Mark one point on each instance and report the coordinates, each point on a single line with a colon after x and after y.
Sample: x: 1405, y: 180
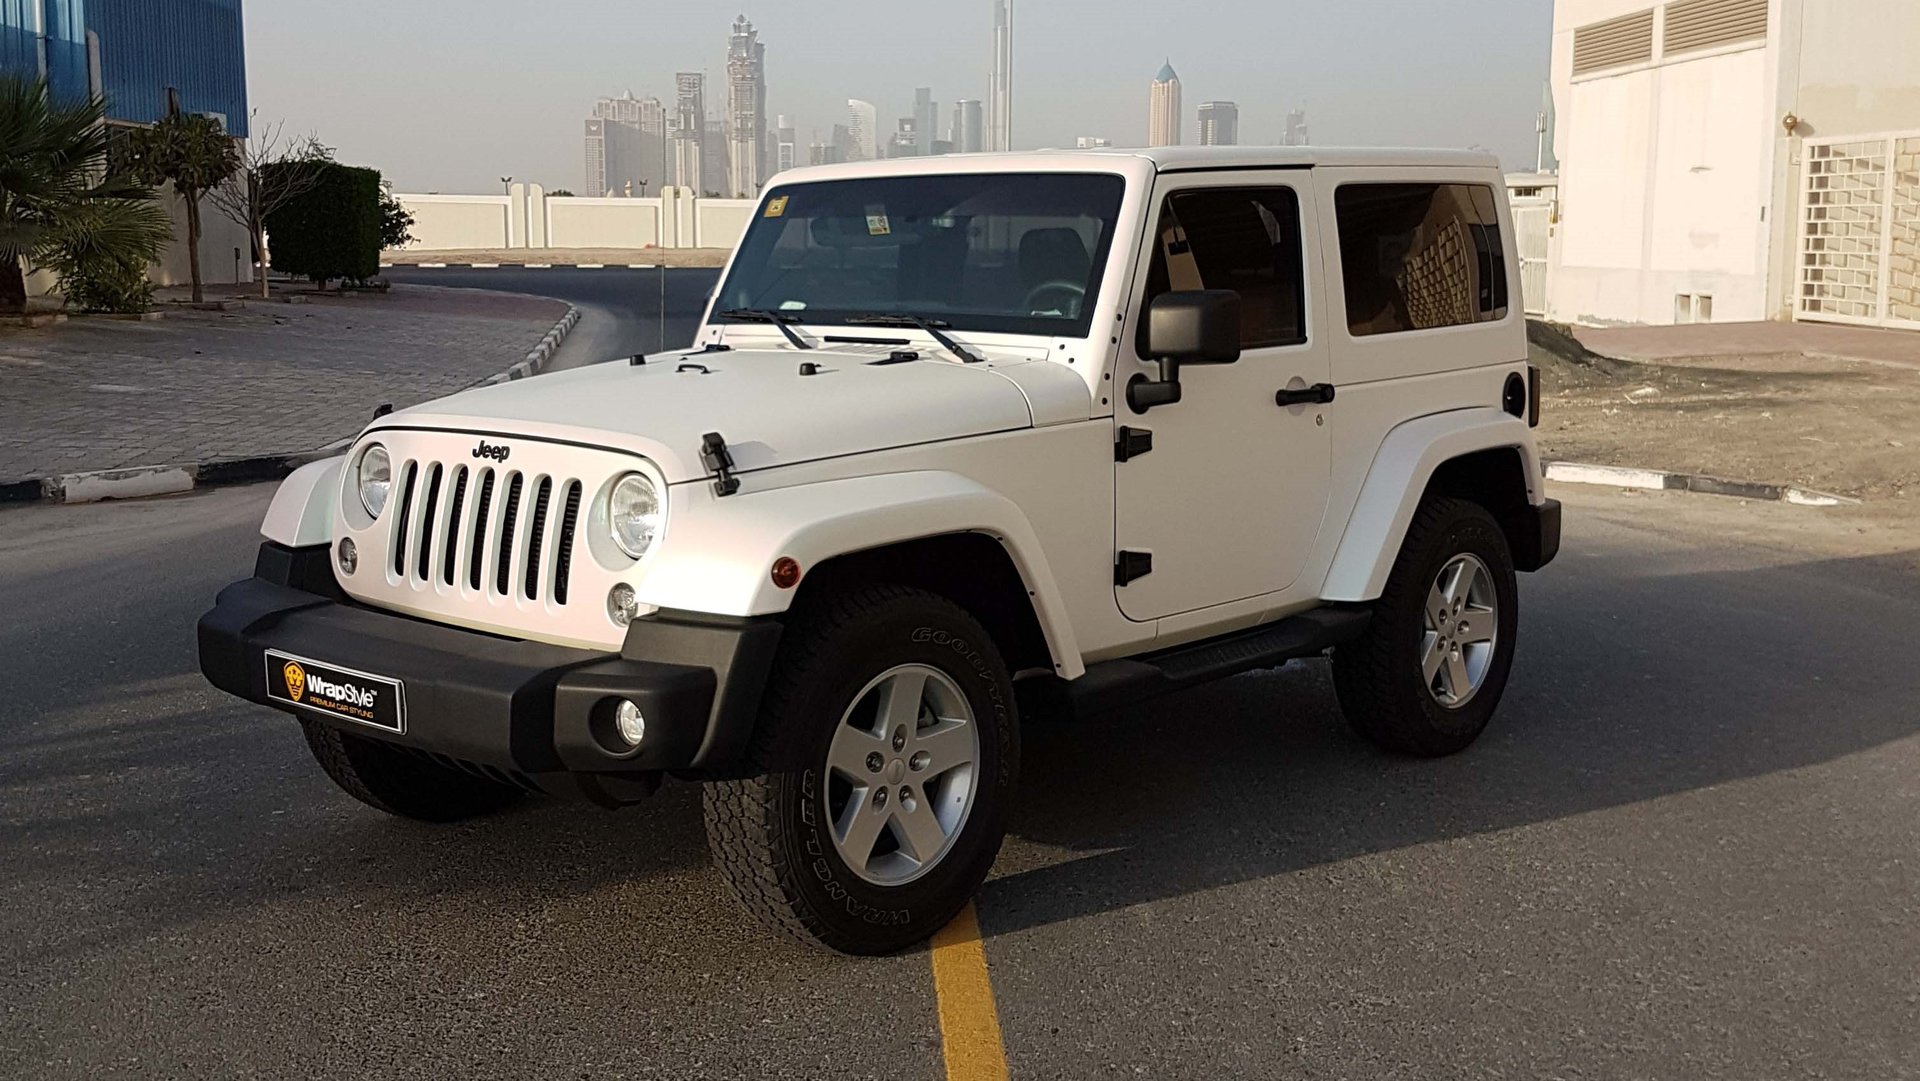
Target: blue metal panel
x: 193, y: 46
x: 61, y: 42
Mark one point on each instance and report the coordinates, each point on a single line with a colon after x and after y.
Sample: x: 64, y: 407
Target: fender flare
x: 1398, y: 478
x: 301, y: 513
x: 717, y: 553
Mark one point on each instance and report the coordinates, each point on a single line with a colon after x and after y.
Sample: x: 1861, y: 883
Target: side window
x: 1244, y: 239
x: 1419, y: 256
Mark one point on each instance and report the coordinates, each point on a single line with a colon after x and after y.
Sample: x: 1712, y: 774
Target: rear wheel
x: 1427, y: 675
x: 884, y: 767
x: 389, y: 779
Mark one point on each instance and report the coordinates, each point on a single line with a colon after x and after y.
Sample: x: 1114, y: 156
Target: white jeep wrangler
x: 960, y: 438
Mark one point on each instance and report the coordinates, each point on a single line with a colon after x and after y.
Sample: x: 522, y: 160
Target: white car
x: 959, y: 439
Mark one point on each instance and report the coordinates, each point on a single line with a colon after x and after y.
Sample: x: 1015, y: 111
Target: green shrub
x: 104, y: 284
x: 332, y: 229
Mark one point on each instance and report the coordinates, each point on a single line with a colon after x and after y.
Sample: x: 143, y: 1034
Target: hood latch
x: 719, y: 460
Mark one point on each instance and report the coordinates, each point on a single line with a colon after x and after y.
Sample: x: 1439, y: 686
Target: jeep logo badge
x: 497, y: 451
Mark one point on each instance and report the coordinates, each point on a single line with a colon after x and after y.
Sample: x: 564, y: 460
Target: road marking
x: 969, y: 1023
x: 539, y: 266
x: 484, y: 266
x: 641, y: 266
x: 589, y: 266
x: 437, y: 266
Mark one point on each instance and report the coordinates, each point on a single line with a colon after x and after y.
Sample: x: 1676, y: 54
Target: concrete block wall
x: 527, y: 217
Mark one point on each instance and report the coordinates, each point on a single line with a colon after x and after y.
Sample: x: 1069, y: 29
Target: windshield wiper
x: 761, y: 315
x: 931, y: 326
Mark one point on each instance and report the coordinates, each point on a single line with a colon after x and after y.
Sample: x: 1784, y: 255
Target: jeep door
x: 1228, y: 502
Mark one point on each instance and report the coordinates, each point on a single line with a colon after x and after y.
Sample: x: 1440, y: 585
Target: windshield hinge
x: 719, y: 460
x: 1128, y: 566
x: 1132, y: 443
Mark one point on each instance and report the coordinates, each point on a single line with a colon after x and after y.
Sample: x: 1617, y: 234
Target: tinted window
x: 1020, y: 253
x: 1244, y: 239
x: 1418, y: 256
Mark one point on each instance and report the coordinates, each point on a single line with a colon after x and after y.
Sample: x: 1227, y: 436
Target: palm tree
x: 55, y: 194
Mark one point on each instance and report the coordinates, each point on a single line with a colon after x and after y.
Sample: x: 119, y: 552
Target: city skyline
x: 512, y: 103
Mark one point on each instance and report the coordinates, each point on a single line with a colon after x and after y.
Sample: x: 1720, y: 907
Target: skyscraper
x: 1297, y: 128
x: 625, y: 146
x: 1163, y: 108
x: 785, y: 148
x: 863, y: 131
x: 689, y: 128
x: 1000, y: 93
x: 746, y: 124
x: 716, y: 174
x: 596, y: 141
x: 925, y: 114
x: 1219, y: 124
x: 969, y: 127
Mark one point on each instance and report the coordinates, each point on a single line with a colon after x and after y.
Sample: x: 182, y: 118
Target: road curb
x: 1614, y: 476
x: 138, y: 482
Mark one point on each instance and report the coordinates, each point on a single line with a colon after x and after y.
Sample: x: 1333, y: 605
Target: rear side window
x: 1419, y: 256
x: 1244, y: 239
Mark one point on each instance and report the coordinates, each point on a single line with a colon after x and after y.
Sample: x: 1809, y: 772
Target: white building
x: 1000, y: 90
x: 1163, y: 108
x: 969, y: 130
x: 746, y: 110
x: 1737, y: 159
x: 863, y: 130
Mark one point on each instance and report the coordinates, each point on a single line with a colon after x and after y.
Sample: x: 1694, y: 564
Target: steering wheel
x: 1074, y: 293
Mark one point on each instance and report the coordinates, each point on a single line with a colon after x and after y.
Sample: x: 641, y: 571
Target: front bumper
x: 1537, y: 536
x: 539, y: 712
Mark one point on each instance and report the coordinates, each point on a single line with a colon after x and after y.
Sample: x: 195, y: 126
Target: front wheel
x: 1426, y: 676
x: 398, y: 782
x: 884, y: 766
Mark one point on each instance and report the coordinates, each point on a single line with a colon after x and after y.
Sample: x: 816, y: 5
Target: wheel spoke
x: 900, y: 699
x: 859, y: 827
x: 849, y: 751
x: 1437, y: 604
x: 918, y: 830
x: 1431, y: 657
x: 948, y: 744
x: 1479, y: 624
x: 1455, y: 583
x: 1458, y: 681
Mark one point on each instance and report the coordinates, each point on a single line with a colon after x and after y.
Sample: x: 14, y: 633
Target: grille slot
x: 531, y: 586
x: 427, y: 522
x: 509, y: 517
x: 477, y: 559
x: 563, y: 559
x: 400, y: 537
x: 450, y: 556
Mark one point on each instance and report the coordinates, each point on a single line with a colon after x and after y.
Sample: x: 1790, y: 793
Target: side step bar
x: 1112, y: 685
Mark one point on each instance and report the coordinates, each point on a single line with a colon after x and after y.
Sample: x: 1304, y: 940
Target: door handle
x: 1317, y: 394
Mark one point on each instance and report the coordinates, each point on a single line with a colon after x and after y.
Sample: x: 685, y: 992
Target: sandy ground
x: 1841, y: 426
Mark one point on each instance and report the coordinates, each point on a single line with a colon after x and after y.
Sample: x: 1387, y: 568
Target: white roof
x: 1159, y: 158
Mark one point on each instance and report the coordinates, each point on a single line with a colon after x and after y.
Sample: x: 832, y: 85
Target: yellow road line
x: 969, y: 1023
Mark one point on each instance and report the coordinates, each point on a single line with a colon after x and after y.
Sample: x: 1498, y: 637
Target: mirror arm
x: 1143, y: 393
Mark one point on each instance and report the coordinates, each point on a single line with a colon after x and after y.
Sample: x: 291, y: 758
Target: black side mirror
x: 1198, y: 326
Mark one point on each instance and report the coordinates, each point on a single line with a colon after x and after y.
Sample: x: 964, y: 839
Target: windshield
x: 1013, y: 252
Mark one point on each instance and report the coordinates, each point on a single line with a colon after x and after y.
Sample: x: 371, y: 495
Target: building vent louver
x: 1614, y: 43
x: 1692, y: 25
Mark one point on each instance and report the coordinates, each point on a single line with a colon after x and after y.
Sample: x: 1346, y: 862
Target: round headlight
x: 375, y: 475
x: 633, y: 513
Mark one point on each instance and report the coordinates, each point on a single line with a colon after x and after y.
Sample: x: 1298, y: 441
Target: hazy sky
x: 449, y: 95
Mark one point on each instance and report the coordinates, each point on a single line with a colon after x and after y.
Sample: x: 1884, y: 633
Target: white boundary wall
x: 527, y: 217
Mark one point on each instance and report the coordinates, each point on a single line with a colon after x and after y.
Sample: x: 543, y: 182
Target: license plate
x: 362, y: 697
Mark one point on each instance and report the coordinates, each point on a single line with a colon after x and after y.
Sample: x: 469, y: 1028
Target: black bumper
x: 1536, y: 536
x: 539, y: 711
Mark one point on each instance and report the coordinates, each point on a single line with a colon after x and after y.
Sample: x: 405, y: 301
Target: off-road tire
x: 769, y: 831
x: 400, y: 783
x: 1377, y: 676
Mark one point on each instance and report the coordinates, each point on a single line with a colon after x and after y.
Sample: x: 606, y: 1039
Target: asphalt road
x: 1684, y: 849
x: 623, y: 311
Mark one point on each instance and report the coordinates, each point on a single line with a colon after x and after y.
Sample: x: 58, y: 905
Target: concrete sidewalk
x: 200, y: 389
x: 1829, y: 340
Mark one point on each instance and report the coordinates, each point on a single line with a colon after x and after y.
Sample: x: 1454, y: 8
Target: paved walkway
x: 1900, y: 347
x: 269, y: 379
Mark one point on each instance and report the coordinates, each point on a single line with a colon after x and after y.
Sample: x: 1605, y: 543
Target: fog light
x: 622, y: 605
x: 349, y: 555
x: 632, y: 726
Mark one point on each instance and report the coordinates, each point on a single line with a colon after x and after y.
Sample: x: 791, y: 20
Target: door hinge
x: 716, y: 457
x: 1128, y: 566
x: 1132, y: 443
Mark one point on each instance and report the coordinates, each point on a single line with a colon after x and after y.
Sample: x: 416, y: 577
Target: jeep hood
x: 768, y: 412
